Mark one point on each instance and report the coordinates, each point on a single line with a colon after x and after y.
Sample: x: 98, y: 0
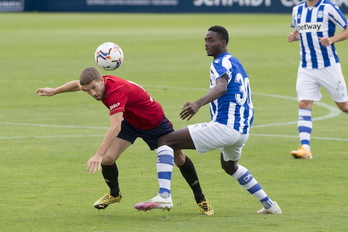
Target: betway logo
x: 310, y: 27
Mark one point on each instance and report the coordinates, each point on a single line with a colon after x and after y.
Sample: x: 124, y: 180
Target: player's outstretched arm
x: 71, y: 86
x: 191, y: 108
x: 94, y: 163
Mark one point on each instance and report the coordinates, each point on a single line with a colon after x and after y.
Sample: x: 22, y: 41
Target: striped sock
x: 164, y: 165
x: 248, y: 182
x: 304, y: 126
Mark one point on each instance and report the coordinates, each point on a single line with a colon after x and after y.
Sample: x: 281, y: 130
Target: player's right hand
x: 188, y: 110
x: 45, y: 91
x: 292, y: 36
x: 94, y: 164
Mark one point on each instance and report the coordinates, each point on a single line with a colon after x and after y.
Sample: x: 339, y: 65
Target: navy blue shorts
x: 131, y: 133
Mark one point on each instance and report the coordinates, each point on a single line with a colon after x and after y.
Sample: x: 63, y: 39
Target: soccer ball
x: 109, y: 56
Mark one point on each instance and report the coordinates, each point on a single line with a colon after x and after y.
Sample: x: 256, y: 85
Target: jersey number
x: 245, y: 95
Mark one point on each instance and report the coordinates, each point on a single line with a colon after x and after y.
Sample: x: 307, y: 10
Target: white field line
x: 296, y: 136
x: 47, y: 125
x: 333, y: 112
x: 101, y: 135
x: 52, y: 136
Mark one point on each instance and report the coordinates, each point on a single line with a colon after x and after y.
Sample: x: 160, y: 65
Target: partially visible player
x: 133, y: 114
x: 232, y: 114
x: 314, y: 23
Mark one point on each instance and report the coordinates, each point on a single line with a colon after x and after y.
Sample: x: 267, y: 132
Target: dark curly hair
x: 221, y: 31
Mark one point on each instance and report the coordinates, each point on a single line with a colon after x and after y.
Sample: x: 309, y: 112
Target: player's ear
x: 99, y: 80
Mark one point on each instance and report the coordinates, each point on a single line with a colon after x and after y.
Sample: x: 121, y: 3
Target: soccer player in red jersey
x: 133, y: 113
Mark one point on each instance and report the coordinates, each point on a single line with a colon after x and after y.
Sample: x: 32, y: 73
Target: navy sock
x: 189, y: 173
x: 110, y: 174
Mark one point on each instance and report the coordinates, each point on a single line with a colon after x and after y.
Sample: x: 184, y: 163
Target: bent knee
x: 179, y: 158
x: 343, y: 107
x: 230, y: 167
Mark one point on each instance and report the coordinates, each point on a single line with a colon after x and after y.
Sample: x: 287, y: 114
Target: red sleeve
x: 117, y: 103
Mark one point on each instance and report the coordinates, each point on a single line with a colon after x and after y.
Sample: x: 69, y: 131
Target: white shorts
x: 213, y: 135
x: 331, y: 78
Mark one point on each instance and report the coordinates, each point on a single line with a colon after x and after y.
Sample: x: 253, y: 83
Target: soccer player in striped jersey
x: 133, y: 114
x: 232, y: 114
x: 314, y: 23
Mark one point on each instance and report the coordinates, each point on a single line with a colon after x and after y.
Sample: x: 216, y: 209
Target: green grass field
x: 45, y: 142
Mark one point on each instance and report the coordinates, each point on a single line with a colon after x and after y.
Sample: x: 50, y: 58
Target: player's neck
x: 219, y: 54
x: 312, y: 3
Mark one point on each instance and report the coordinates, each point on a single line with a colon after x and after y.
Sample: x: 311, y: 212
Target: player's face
x: 312, y: 2
x: 214, y: 45
x: 96, y: 89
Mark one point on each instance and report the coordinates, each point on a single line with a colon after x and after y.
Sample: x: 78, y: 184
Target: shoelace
x: 106, y: 197
x: 204, y: 205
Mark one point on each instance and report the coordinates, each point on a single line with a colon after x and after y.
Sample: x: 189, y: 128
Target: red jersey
x: 138, y: 107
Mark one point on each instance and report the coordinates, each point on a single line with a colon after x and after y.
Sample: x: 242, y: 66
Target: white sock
x: 304, y: 126
x: 165, y: 163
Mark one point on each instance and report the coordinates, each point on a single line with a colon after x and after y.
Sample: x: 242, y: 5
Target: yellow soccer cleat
x: 205, y: 208
x: 106, y: 200
x: 301, y: 153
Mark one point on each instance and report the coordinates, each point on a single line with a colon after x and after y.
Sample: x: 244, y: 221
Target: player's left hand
x: 94, y: 163
x: 325, y: 41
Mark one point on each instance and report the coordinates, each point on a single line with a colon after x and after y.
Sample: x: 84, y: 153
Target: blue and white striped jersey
x: 312, y: 23
x: 234, y: 108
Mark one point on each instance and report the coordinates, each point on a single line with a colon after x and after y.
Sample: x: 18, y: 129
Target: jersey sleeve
x: 337, y: 17
x: 293, y: 18
x: 219, y: 69
x: 117, y: 103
